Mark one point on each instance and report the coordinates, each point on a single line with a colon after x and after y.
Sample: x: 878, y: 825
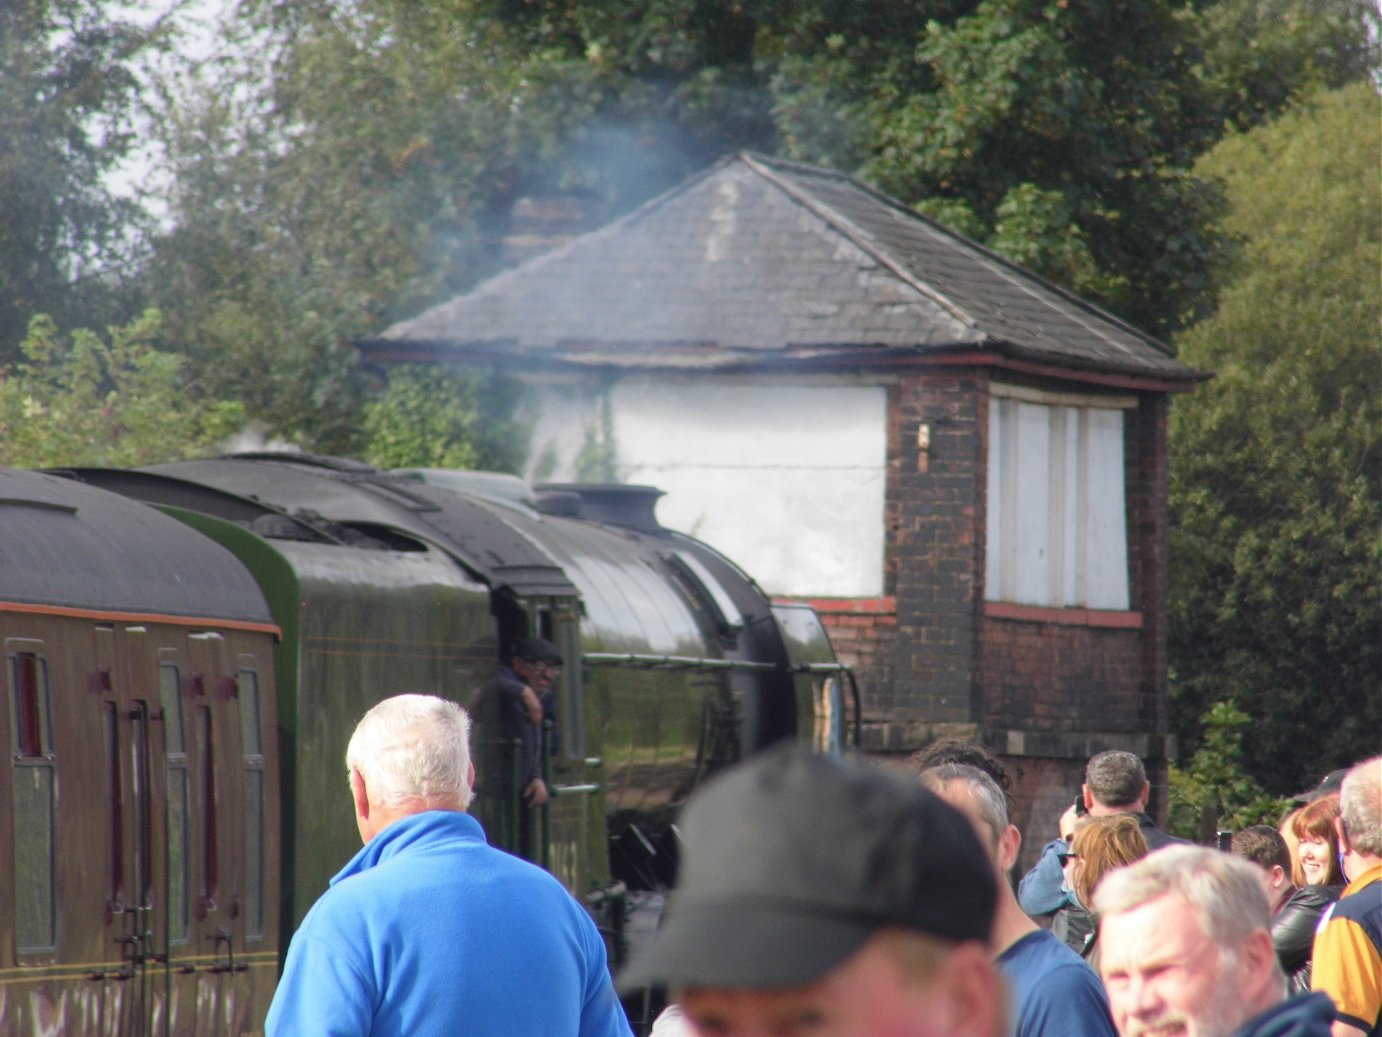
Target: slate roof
x: 758, y: 260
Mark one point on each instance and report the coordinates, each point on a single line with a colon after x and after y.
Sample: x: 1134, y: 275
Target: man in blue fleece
x: 429, y: 930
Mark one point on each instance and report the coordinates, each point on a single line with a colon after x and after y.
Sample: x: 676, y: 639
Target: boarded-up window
x: 1057, y: 525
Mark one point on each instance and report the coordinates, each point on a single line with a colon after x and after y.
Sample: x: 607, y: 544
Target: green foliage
x: 428, y: 417
x: 1213, y: 792
x: 68, y: 87
x: 1262, y: 55
x: 1060, y: 134
x: 90, y: 402
x: 1276, y: 479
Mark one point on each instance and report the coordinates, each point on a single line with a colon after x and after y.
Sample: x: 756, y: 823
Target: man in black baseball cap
x: 827, y: 896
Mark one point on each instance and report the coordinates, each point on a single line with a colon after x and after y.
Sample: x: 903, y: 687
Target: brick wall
x: 1049, y: 676
x: 1149, y: 480
x: 1041, y: 789
x: 861, y: 631
x: 938, y: 422
x: 1044, y: 689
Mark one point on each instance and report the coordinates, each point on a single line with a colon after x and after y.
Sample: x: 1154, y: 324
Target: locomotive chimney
x: 632, y: 507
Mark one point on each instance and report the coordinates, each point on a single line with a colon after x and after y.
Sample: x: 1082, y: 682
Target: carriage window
x: 169, y: 687
x: 210, y: 876
x: 247, y: 685
x: 35, y: 801
x: 252, y: 740
x: 175, y: 754
x: 32, y: 720
x: 115, y: 806
x: 179, y: 925
x: 141, y: 876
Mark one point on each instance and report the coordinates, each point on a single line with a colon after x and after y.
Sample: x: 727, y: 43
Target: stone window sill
x: 1112, y: 618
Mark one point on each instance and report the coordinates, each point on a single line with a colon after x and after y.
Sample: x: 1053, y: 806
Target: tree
x: 374, y: 170
x: 121, y: 402
x: 426, y: 418
x: 68, y: 87
x: 1262, y: 55
x: 1276, y: 480
x: 1213, y: 793
x: 1061, y: 134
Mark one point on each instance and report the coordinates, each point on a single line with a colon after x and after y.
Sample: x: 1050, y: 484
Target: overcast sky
x: 195, y: 21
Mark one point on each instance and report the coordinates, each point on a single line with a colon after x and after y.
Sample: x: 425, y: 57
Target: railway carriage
x: 139, y: 805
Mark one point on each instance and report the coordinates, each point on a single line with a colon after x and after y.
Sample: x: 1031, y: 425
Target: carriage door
x: 131, y: 759
x: 215, y: 866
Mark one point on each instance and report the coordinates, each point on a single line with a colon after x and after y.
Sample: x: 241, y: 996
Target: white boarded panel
x: 1107, y: 550
x: 1032, y: 474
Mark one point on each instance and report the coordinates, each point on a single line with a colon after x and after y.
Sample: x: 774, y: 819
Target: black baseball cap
x: 793, y: 860
x: 1329, y: 784
x: 536, y: 650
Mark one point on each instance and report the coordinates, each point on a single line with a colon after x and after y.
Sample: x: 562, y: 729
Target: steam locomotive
x: 189, y: 646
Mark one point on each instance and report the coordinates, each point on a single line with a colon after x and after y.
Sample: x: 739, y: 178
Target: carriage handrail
x: 634, y: 660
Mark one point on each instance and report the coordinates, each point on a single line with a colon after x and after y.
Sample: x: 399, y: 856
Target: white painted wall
x: 786, y: 480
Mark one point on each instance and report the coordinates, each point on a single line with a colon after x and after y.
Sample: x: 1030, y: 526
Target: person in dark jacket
x: 522, y: 694
x: 1115, y: 783
x: 1187, y: 951
x: 1296, y: 910
x: 514, y: 714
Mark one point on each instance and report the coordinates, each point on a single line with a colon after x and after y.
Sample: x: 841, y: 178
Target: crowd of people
x: 832, y: 897
x: 1161, y: 938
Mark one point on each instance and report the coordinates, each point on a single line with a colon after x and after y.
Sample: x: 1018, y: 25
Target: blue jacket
x: 1309, y: 1015
x: 1041, y: 891
x: 1054, y: 992
x: 429, y: 931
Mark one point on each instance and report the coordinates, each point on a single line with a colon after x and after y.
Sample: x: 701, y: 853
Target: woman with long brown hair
x: 1101, y: 845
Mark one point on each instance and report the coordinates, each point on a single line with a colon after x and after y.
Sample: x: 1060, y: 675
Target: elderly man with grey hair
x: 1054, y: 992
x: 1187, y: 951
x: 428, y: 931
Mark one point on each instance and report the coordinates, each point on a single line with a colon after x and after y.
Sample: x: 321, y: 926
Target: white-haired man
x: 1187, y: 951
x: 1348, y: 946
x: 428, y: 930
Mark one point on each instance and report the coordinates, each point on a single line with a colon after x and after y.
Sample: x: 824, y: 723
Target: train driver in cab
x: 521, y: 694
